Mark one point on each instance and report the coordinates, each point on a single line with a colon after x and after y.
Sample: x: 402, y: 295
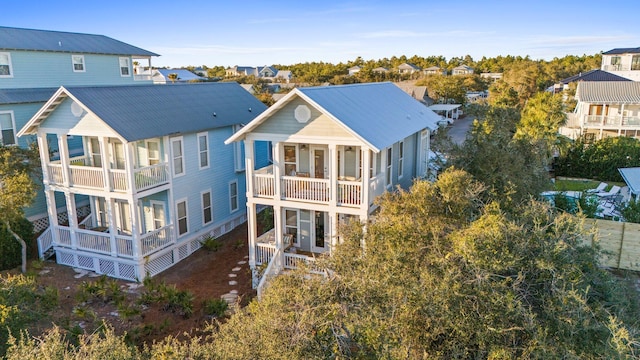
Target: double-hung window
x: 290, y: 160
x: 203, y: 150
x: 207, y: 212
x: 124, y: 66
x: 388, y: 170
x: 78, y: 63
x: 7, y: 128
x: 233, y: 196
x: 177, y: 156
x: 635, y: 62
x: 238, y: 151
x: 181, y: 217
x: 5, y: 65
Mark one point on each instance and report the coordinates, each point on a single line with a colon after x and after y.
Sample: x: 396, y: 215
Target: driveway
x: 458, y: 130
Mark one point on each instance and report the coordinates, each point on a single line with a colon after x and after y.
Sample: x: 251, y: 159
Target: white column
x: 43, y: 149
x: 135, y: 234
x: 53, y: 214
x: 252, y: 231
x: 113, y: 228
x: 129, y: 167
x: 249, y: 167
x: 63, y: 151
x: 104, y: 156
x: 277, y: 171
x: 72, y: 218
x: 333, y: 175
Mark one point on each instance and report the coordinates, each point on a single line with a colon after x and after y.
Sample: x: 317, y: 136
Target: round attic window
x: 76, y: 109
x: 302, y: 113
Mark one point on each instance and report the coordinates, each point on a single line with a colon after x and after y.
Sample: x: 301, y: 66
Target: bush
x: 10, y: 247
x: 215, y: 307
x: 211, y: 244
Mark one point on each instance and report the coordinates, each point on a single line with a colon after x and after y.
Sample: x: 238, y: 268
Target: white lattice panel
x: 183, y: 251
x: 107, y: 267
x: 85, y: 262
x: 127, y: 272
x: 159, y: 264
x: 65, y: 258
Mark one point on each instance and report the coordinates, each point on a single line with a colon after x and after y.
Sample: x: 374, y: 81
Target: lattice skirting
x: 42, y: 222
x: 152, y: 265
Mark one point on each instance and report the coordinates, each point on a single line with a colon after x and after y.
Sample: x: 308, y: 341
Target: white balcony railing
x: 151, y: 176
x: 86, y: 176
x: 349, y: 193
x: 305, y: 189
x: 264, y: 253
x: 611, y: 121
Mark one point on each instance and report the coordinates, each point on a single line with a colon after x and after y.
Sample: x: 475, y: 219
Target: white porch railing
x: 273, y: 269
x: 93, y: 241
x: 156, y: 240
x: 150, y: 176
x: 119, y: 180
x: 55, y: 173
x: 86, y: 176
x: 349, y: 193
x: 264, y: 185
x: 64, y: 236
x: 45, y: 242
x: 294, y: 261
x: 264, y: 253
x: 616, y: 121
x: 306, y: 189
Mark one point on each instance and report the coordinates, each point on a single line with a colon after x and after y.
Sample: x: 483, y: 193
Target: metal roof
x: 148, y: 111
x: 609, y: 92
x: 380, y: 114
x: 22, y: 96
x: 183, y: 74
x: 58, y: 41
x: 444, y: 107
x: 594, y: 75
x: 619, y: 51
x: 632, y: 177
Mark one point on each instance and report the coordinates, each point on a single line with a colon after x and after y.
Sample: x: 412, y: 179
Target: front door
x: 320, y: 242
x: 318, y: 163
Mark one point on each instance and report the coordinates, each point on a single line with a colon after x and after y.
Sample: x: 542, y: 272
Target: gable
x: 283, y: 122
x: 74, y: 120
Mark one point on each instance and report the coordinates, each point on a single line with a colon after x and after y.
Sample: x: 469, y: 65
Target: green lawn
x: 580, y: 185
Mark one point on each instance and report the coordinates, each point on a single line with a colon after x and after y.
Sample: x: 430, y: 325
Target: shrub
x: 215, y: 307
x: 211, y: 244
x: 9, y: 246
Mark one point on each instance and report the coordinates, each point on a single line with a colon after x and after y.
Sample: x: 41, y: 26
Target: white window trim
x: 296, y: 242
x: 186, y: 216
x: 128, y: 66
x: 238, y: 159
x: 207, y: 191
x: 231, y: 199
x: 206, y: 137
x: 388, y: 167
x: 401, y: 150
x: 13, y: 124
x: 152, y: 203
x: 183, y: 160
x: 84, y: 64
x: 10, y: 66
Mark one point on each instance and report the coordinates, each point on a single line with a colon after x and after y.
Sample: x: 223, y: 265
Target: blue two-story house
x: 154, y: 167
x: 35, y: 63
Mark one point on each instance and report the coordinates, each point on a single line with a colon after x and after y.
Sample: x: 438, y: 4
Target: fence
x: 620, y: 241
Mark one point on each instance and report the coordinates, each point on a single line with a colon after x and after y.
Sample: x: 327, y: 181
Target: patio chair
x: 601, y: 187
x: 615, y: 189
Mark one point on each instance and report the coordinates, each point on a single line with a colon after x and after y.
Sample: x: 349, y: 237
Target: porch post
x: 364, y: 192
x: 52, y: 211
x: 112, y: 225
x: 72, y: 218
x: 43, y: 146
x: 277, y: 171
x: 251, y: 223
x: 333, y: 175
x: 104, y: 157
x: 63, y: 151
x: 129, y: 167
x: 135, y: 234
x: 249, y: 166
x: 277, y: 225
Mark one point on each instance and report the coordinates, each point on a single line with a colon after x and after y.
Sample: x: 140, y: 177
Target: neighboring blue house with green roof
x: 35, y: 63
x: 154, y: 167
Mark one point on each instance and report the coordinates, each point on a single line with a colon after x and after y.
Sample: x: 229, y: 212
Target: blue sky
x: 254, y: 33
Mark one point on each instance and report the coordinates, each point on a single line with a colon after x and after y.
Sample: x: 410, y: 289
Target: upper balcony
x: 611, y: 122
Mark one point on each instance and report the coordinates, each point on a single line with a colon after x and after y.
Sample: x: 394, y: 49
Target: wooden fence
x: 619, y: 240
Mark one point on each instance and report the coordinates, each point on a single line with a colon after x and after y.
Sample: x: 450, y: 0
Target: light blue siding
x: 34, y: 69
x: 216, y: 178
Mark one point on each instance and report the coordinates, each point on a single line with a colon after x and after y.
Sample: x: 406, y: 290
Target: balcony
x: 81, y: 174
x: 301, y: 187
x: 611, y: 121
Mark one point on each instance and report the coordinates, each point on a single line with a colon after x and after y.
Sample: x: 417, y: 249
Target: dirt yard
x: 205, y: 274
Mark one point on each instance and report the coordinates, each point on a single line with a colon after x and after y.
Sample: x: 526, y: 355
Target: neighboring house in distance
x: 35, y: 63
x: 592, y: 75
x: 354, y: 70
x: 163, y: 76
x: 335, y: 148
x: 267, y: 71
x: 605, y: 109
x: 156, y: 186
x: 417, y: 92
x: 435, y: 70
x: 200, y: 71
x: 462, y: 70
x: 380, y: 70
x: 241, y: 71
x: 624, y: 62
x: 407, y: 68
x: 491, y: 76
x: 283, y: 76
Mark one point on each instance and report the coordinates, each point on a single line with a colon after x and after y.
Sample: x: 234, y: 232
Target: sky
x: 258, y: 33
